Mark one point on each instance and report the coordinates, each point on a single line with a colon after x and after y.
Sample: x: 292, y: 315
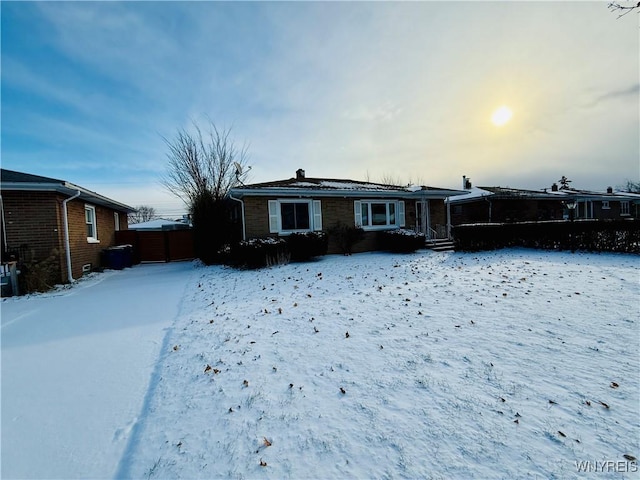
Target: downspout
x: 244, y: 232
x: 4, y: 226
x: 447, y: 201
x: 490, y: 205
x: 67, y: 247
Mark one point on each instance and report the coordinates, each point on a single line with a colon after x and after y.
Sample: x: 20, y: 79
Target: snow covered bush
x: 304, y: 246
x: 402, y: 240
x: 259, y: 252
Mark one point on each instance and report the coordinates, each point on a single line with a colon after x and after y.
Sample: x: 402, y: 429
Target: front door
x: 422, y: 218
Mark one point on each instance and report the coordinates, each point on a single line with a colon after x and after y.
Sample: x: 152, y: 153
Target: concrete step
x: 441, y: 245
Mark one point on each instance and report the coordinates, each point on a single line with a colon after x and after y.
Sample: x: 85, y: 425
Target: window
x: 624, y: 208
x: 116, y: 221
x: 605, y: 205
x: 295, y: 216
x: 379, y: 214
x: 90, y: 220
x: 288, y: 216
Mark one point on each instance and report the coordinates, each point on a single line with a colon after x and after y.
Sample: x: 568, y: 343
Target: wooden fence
x: 158, y: 246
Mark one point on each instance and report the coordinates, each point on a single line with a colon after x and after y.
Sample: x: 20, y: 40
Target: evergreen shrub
x: 257, y: 253
x: 402, y: 240
x: 307, y: 245
x: 346, y: 236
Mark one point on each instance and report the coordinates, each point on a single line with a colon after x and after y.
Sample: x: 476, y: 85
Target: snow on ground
x: 508, y: 364
x: 76, y: 365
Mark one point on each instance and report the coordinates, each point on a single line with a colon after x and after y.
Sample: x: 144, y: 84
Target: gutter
x: 4, y: 226
x: 244, y: 229
x: 67, y: 247
x: 291, y: 192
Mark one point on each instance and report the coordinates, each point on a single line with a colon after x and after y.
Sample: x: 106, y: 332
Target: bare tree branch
x: 143, y: 213
x: 203, y: 164
x: 617, y: 7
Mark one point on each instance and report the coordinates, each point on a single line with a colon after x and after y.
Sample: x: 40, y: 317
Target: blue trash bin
x: 117, y: 257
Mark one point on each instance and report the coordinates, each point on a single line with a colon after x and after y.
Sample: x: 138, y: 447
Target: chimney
x: 299, y: 174
x: 466, y: 183
x: 554, y: 187
x: 609, y: 190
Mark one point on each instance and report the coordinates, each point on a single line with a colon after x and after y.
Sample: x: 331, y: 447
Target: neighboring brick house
x: 511, y: 205
x: 304, y: 204
x: 34, y: 222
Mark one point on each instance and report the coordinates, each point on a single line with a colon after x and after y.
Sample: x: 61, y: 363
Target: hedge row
x: 299, y: 247
x: 587, y: 235
x: 261, y: 252
x: 401, y: 240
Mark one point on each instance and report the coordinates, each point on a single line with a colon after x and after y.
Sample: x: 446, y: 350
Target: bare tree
x: 626, y: 8
x: 630, y: 186
x: 204, y: 164
x: 564, y: 183
x: 390, y: 179
x: 202, y: 169
x: 143, y: 213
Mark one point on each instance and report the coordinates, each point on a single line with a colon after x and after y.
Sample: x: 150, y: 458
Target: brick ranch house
x: 304, y: 204
x: 511, y: 205
x: 45, y: 218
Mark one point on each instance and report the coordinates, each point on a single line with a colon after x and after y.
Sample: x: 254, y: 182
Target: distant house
x: 159, y: 224
x: 511, y: 205
x: 304, y: 204
x: 68, y: 225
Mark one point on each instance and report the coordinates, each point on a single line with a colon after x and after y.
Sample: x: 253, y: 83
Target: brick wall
x: 35, y: 219
x: 256, y: 214
x: 82, y: 251
x: 334, y: 210
x: 32, y: 220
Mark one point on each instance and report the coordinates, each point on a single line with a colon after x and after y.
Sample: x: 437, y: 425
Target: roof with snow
x: 561, y: 194
x: 159, y: 224
x: 302, y: 185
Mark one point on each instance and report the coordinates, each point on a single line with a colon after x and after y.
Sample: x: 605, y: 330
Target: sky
x: 91, y: 91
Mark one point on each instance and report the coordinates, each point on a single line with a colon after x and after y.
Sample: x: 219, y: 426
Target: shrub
x: 212, y: 228
x: 588, y: 235
x: 304, y: 246
x: 345, y: 236
x: 402, y: 240
x: 258, y: 252
x: 39, y: 275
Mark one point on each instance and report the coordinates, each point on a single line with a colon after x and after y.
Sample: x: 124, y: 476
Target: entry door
x: 422, y: 217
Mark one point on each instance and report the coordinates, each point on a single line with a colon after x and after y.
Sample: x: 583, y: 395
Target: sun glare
x: 501, y: 116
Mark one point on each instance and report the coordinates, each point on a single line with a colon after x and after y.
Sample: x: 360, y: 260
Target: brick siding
x: 334, y: 210
x: 35, y: 219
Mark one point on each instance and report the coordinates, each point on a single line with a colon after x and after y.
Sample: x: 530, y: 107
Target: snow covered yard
x: 508, y: 364
x: 76, y: 365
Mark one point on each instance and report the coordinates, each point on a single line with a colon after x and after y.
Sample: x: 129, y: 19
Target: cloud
x: 618, y: 94
x: 340, y: 89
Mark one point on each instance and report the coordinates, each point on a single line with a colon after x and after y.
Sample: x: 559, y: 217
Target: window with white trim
x: 289, y: 216
x: 116, y: 221
x: 605, y: 205
x: 90, y: 220
x: 379, y: 214
x: 624, y: 208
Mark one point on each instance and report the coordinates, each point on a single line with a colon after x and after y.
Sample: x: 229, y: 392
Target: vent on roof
x: 554, y: 187
x: 299, y: 174
x: 609, y: 189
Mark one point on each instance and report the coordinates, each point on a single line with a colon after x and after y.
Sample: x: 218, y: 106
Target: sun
x: 501, y: 116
